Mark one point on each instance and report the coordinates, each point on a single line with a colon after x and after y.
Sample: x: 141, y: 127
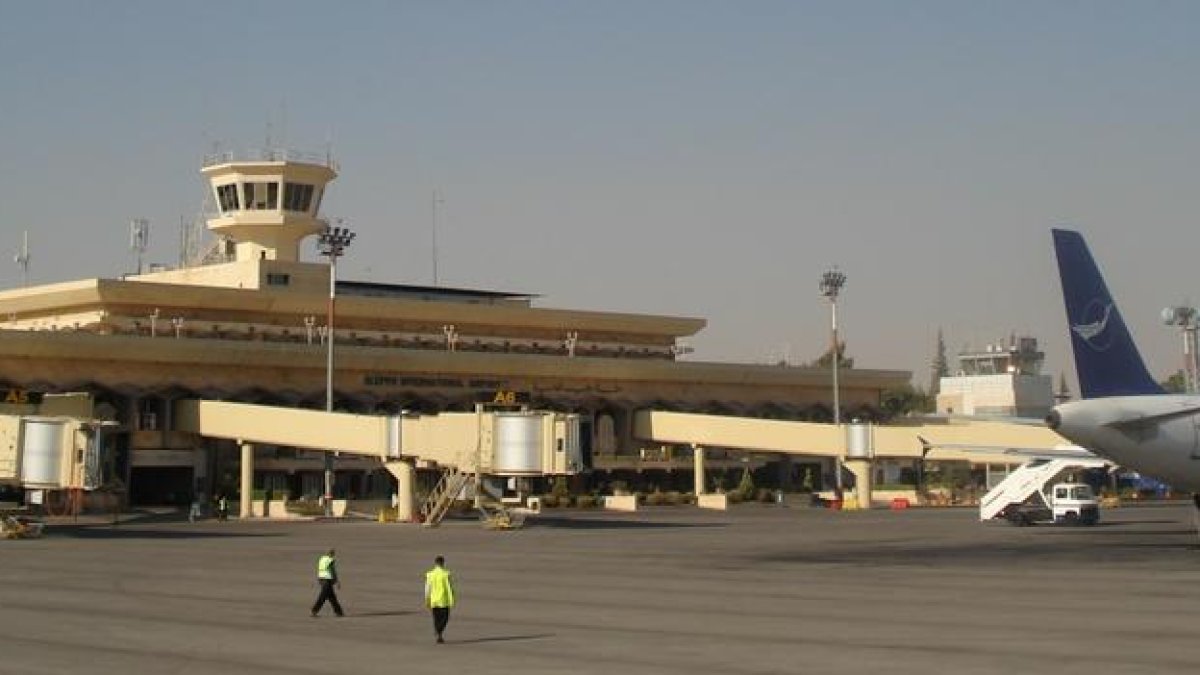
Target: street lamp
x: 571, y: 340
x: 1186, y: 318
x: 331, y: 243
x: 831, y: 284
x: 309, y: 322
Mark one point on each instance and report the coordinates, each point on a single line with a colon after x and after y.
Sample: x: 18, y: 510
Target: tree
x: 906, y: 400
x: 1176, y: 383
x: 745, y: 488
x: 939, y: 368
x: 826, y: 359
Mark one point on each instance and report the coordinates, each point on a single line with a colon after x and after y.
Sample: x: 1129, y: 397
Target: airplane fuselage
x: 1157, y: 435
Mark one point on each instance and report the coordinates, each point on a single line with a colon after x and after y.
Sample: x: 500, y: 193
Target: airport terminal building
x: 248, y: 322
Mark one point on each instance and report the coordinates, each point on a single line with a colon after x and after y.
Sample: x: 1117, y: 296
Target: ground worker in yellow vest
x: 327, y: 576
x: 439, y: 595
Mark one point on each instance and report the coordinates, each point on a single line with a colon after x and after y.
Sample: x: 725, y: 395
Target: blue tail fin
x: 1106, y: 359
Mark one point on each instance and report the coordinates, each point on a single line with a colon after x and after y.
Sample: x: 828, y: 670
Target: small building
x: 1003, y: 380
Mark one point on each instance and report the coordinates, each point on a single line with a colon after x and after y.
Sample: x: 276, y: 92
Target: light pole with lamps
x: 831, y: 284
x: 1188, y: 320
x: 451, y: 334
x: 331, y: 243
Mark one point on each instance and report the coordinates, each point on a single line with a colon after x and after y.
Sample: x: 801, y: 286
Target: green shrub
x: 656, y: 499
x: 306, y: 507
x: 745, y: 488
x: 585, y: 501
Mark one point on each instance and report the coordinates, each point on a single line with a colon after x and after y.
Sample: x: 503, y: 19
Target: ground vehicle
x: 1062, y: 504
x: 20, y: 527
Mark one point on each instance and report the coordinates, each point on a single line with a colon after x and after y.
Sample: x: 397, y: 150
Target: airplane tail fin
x: 1106, y: 359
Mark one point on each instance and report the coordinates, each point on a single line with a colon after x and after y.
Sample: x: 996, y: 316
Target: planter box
x: 276, y: 508
x: 718, y: 502
x: 621, y: 502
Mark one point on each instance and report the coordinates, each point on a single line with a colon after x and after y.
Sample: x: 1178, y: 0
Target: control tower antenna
x: 437, y: 200
x: 139, y: 237
x: 22, y: 259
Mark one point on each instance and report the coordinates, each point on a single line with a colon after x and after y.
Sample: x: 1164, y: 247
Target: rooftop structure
x: 1004, y: 379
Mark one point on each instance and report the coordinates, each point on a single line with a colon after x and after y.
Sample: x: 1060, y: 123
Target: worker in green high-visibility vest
x: 327, y: 576
x: 439, y: 595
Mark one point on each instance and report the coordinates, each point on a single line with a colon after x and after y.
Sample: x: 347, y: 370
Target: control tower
x: 267, y: 204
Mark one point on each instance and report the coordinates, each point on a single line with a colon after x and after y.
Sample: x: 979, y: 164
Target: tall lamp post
x: 1188, y: 320
x: 831, y: 284
x: 331, y: 243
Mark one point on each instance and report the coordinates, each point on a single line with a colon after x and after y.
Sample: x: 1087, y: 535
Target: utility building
x: 1003, y: 380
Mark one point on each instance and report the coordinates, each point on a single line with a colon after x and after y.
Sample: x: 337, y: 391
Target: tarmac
x: 757, y: 589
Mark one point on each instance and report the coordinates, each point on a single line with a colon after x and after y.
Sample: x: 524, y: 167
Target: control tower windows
x: 227, y: 197
x: 297, y: 196
x: 261, y: 196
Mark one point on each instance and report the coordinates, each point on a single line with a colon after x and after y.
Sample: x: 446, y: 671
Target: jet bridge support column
x: 405, y: 474
x: 246, y: 510
x: 860, y: 450
x: 698, y: 461
x: 861, y: 468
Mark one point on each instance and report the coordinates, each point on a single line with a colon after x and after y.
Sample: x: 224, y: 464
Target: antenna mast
x: 139, y: 237
x: 437, y: 199
x: 22, y: 259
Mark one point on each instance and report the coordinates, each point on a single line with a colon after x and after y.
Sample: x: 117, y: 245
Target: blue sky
x: 697, y: 158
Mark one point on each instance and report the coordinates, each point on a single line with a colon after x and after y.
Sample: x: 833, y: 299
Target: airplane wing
x: 1145, y: 420
x: 1061, y: 452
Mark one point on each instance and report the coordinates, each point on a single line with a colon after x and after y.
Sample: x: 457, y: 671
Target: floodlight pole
x: 1187, y: 319
x: 331, y: 243
x: 831, y: 284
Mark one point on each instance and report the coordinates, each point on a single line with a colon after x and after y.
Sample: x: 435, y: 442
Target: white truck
x: 1061, y: 504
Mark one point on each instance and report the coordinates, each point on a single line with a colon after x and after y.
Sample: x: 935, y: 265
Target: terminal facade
x: 249, y: 323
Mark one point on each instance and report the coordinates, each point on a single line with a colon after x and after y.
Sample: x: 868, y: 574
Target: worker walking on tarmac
x: 327, y: 576
x: 439, y: 595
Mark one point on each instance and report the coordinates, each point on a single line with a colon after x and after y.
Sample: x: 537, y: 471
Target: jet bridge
x: 857, y: 444
x: 466, y: 446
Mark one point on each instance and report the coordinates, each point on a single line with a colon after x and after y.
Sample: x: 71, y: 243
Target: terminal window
x: 261, y: 196
x: 227, y: 197
x: 297, y: 196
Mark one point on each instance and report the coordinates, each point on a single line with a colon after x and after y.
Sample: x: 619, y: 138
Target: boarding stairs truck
x: 1033, y: 494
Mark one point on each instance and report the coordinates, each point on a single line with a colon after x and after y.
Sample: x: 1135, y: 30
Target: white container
x: 518, y: 445
x: 41, y: 453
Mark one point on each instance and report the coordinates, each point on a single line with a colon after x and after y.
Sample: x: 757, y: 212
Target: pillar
x: 246, y: 509
x: 698, y: 461
x: 861, y: 468
x: 405, y: 473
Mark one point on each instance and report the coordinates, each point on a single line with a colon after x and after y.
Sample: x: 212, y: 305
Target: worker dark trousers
x: 327, y: 594
x: 441, y: 617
